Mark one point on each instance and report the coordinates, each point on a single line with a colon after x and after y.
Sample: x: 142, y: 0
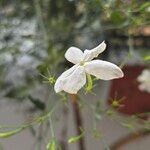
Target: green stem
x: 51, y: 127
x: 40, y: 20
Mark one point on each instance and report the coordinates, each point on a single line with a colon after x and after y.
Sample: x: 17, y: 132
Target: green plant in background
x: 34, y: 35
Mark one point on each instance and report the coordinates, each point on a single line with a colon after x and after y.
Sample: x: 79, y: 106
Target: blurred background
x: 34, y: 35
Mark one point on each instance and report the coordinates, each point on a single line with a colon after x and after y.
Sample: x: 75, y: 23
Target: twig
x: 64, y: 129
x: 78, y: 119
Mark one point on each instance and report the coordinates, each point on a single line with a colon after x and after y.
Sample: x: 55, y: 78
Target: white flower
x: 72, y: 80
x: 144, y: 79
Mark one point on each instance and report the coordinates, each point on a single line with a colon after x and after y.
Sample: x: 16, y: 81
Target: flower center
x: 82, y: 63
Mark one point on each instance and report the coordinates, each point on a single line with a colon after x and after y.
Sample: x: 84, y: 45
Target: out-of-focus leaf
x: 147, y: 58
x: 127, y: 125
x: 52, y: 145
x: 144, y: 6
x: 98, y: 116
x: 96, y: 133
x: 107, y: 148
x: 17, y: 92
x: 74, y: 139
x: 38, y: 104
x: 110, y: 112
x: 116, y: 17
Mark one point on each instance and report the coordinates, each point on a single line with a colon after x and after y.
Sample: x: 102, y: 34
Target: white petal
x: 144, y: 76
x: 90, y: 54
x: 103, y: 69
x: 74, y: 55
x: 75, y: 81
x: 58, y: 85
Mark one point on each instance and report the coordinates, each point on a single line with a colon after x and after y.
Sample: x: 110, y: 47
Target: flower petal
x: 90, y: 54
x: 75, y: 81
x: 74, y: 55
x: 103, y: 69
x: 58, y: 84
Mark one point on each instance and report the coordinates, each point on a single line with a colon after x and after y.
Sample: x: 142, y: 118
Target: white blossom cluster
x: 144, y: 80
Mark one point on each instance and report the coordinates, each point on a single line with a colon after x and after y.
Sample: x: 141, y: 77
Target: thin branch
x: 78, y: 119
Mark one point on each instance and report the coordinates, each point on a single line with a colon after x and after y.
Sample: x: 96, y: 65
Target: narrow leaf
x: 38, y: 104
x: 147, y: 58
x: 144, y: 6
x: 52, y: 145
x: 76, y: 138
x: 10, y: 133
x: 127, y: 125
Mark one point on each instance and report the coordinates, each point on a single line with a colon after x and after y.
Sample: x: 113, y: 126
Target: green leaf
x: 110, y: 112
x: 17, y: 92
x: 76, y: 138
x: 116, y: 17
x: 98, y: 116
x: 107, y: 148
x: 147, y: 58
x: 38, y: 104
x: 10, y: 133
x: 127, y: 125
x: 52, y: 145
x: 96, y: 133
x: 144, y: 6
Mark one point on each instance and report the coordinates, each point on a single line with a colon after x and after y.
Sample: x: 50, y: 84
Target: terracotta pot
x: 135, y: 101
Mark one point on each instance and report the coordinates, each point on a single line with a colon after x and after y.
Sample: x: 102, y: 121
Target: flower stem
x: 78, y: 119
